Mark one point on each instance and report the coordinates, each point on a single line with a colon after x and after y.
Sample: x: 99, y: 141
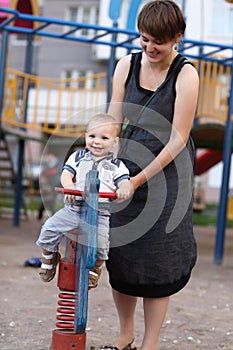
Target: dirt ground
x: 199, y: 317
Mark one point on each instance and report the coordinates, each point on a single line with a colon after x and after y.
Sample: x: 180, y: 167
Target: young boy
x: 101, y: 137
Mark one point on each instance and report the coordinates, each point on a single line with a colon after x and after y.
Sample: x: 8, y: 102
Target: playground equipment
x: 206, y: 160
x: 50, y: 103
x: 214, y: 62
x: 74, y: 271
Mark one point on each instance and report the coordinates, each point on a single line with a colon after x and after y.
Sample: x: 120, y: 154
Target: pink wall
x: 4, y: 3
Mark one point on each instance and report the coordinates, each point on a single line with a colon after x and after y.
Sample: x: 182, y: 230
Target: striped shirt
x: 111, y: 170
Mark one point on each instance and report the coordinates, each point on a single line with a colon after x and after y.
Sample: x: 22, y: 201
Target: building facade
x: 207, y: 20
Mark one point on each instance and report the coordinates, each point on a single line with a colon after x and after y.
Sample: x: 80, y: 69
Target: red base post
x: 64, y: 337
x: 63, y: 340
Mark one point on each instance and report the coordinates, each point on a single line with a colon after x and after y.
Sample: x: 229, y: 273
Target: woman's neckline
x: 173, y: 62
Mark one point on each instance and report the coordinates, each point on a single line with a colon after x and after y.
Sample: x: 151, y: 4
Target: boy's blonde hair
x: 102, y: 119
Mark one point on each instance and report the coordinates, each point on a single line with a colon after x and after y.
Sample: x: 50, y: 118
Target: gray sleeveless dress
x: 152, y: 245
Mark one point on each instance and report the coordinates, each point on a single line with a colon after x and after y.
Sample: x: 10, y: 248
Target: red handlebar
x: 110, y: 195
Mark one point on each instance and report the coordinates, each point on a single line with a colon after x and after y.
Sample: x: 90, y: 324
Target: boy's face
x: 100, y: 140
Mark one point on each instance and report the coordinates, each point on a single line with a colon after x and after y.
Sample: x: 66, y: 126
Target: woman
x: 153, y: 249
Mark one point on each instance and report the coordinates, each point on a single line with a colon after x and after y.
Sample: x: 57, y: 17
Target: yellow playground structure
x: 50, y: 105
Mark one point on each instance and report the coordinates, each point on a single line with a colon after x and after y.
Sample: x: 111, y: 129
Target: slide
x: 207, y: 160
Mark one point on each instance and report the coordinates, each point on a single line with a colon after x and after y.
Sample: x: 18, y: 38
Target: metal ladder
x: 7, y: 181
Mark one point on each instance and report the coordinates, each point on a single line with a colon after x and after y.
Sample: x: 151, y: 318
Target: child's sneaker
x: 94, y: 275
x: 47, y: 274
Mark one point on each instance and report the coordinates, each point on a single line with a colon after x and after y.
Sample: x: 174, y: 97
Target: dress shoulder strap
x: 178, y: 62
x: 134, y: 64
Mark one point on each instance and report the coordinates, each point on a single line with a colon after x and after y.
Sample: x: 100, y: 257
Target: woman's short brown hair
x: 162, y: 19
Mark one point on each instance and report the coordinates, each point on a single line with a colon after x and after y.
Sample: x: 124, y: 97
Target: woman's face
x: 155, y: 50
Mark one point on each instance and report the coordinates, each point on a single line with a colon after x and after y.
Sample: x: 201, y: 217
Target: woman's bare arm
x: 118, y: 89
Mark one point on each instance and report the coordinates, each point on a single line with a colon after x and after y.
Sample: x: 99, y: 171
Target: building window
x: 82, y: 14
x: 79, y: 79
x: 21, y: 38
x: 73, y: 14
x: 81, y: 83
x: 67, y: 76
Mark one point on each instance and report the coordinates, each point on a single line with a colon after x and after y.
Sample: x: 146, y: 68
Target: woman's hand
x: 138, y: 180
x: 126, y: 188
